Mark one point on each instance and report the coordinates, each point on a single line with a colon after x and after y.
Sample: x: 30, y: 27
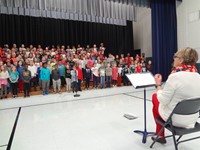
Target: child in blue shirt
x: 14, y: 76
x: 45, y: 78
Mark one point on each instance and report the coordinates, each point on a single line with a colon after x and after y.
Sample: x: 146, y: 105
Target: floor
x: 93, y: 121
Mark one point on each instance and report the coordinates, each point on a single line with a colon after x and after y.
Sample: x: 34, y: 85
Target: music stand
x: 142, y: 80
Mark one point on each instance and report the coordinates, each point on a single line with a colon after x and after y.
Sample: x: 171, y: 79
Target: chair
x: 185, y: 107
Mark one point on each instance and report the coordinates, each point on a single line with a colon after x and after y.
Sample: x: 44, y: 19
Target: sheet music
x: 141, y: 79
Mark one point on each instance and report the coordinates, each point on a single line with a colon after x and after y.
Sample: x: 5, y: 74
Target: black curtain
x: 48, y: 31
x: 164, y: 35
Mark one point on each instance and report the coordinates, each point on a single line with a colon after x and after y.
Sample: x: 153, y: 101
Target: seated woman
x: 183, y: 83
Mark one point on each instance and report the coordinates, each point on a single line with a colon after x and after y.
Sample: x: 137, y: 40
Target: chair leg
x: 179, y: 138
x: 174, y: 138
x: 151, y: 146
x: 175, y: 144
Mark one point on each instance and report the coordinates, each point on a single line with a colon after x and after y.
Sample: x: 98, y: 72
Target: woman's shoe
x: 161, y: 140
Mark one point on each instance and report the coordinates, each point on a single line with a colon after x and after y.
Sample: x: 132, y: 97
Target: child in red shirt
x: 128, y: 59
x: 138, y: 68
x: 80, y: 77
x: 114, y: 74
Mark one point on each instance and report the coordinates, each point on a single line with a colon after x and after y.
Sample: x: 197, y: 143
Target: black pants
x: 26, y: 89
x: 14, y: 87
x: 51, y: 82
x: 83, y: 70
x: 87, y: 83
x: 63, y: 82
x: 108, y: 80
x: 79, y: 85
x: 114, y: 82
x: 74, y: 86
x: 125, y: 80
x: 33, y: 82
x: 95, y: 81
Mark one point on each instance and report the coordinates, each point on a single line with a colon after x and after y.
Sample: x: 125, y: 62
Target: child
x: 26, y: 77
x: 38, y: 75
x: 114, y: 74
x: 74, y: 79
x: 14, y: 76
x: 80, y: 77
x: 108, y: 75
x: 61, y: 69
x: 33, y: 70
x: 138, y: 68
x: 143, y: 67
x: 68, y: 78
x: 3, y: 81
x: 132, y: 67
x: 20, y: 68
x: 149, y: 66
x: 45, y: 78
x: 87, y: 76
x: 125, y: 71
x: 56, y: 78
x: 50, y: 67
x: 95, y: 73
x: 102, y: 72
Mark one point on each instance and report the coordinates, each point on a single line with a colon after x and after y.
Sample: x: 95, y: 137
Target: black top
x: 88, y: 73
x: 26, y: 76
x: 68, y: 73
x: 55, y: 74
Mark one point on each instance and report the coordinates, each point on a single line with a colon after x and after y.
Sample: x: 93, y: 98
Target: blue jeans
x: 79, y: 85
x: 95, y: 81
x: 102, y: 81
x: 108, y: 80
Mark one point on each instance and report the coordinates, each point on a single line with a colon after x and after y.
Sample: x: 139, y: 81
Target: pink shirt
x: 3, y: 78
x: 3, y: 81
x: 90, y: 63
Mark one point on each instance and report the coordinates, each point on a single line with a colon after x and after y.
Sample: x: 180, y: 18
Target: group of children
x: 22, y: 68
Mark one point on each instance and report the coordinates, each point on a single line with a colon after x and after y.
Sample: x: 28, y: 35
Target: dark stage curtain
x: 164, y: 35
x: 47, y: 31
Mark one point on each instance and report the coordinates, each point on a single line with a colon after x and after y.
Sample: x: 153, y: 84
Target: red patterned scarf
x: 187, y: 68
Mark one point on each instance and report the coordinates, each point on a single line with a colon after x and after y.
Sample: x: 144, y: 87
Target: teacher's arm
x: 158, y: 80
x: 166, y: 94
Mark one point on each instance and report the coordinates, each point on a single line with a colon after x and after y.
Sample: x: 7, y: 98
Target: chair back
x: 187, y: 107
